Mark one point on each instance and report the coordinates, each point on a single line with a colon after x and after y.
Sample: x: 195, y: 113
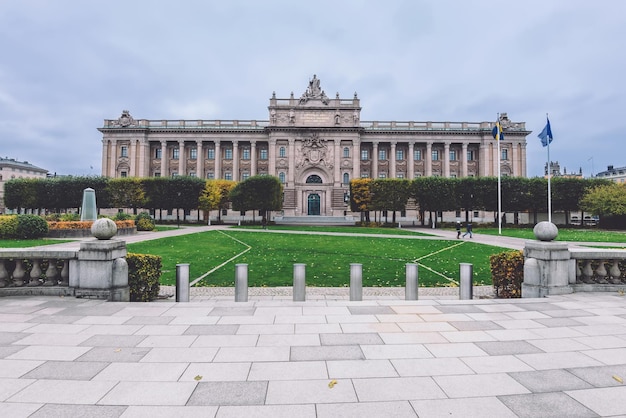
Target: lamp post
x: 178, y: 212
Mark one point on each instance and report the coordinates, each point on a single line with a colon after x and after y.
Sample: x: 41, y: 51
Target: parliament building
x: 315, y: 145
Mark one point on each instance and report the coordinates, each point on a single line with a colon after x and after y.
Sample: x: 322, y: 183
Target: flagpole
x: 498, y: 140
x: 549, y: 177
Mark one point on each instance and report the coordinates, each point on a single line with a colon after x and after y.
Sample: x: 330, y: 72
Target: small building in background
x: 11, y: 168
x: 618, y: 175
x: 555, y: 171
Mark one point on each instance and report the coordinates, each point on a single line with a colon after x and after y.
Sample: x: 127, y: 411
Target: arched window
x: 346, y: 152
x: 346, y: 178
x: 314, y: 179
x: 282, y: 152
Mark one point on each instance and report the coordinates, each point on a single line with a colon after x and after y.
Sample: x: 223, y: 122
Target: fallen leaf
x: 619, y: 379
x: 332, y: 383
x: 117, y: 350
x: 198, y: 377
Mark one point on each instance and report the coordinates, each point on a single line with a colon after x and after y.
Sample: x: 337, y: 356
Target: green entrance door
x: 314, y: 204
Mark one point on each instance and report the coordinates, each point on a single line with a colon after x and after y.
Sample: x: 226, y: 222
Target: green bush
x: 144, y: 274
x: 121, y: 216
x: 31, y: 226
x: 8, y: 226
x: 507, y: 274
x: 69, y: 217
x: 144, y: 222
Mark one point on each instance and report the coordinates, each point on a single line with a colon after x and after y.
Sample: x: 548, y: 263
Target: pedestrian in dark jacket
x: 458, y: 230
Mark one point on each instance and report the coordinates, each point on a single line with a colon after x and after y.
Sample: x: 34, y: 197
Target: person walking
x: 468, y: 230
x: 458, y: 229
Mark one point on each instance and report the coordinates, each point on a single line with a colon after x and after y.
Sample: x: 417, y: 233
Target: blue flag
x: 546, y: 134
x: 497, y: 132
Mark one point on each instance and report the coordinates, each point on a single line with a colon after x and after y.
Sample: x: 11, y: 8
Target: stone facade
x: 314, y: 144
x: 12, y: 169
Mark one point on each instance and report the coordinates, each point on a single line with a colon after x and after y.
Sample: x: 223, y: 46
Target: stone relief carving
x: 314, y: 91
x: 314, y: 152
x: 125, y: 120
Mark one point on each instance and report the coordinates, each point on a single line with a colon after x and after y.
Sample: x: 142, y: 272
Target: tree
x: 262, y: 192
x: 390, y: 194
x: 434, y: 194
x: 216, y: 196
x: 127, y: 192
x: 607, y: 200
x: 361, y: 197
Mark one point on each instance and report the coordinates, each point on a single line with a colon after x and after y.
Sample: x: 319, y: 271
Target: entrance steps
x: 314, y: 220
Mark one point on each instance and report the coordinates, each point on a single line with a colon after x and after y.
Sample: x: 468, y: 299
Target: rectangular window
x: 382, y: 175
x: 382, y: 154
x: 157, y: 174
x: 174, y: 174
x: 346, y: 152
x: 470, y: 155
x: 123, y: 174
x: 192, y: 174
x: 365, y: 175
x: 282, y: 152
x: 434, y: 155
x: 452, y: 155
x: 124, y: 151
x: 245, y: 176
x: 263, y: 154
x: 210, y: 153
x: 400, y: 175
x: 228, y: 153
x: 505, y: 154
x: 175, y: 153
x: 417, y: 155
x: 228, y: 176
x: 193, y: 153
x: 399, y: 155
x: 157, y: 153
x: 246, y: 154
x: 364, y: 155
x: 210, y: 176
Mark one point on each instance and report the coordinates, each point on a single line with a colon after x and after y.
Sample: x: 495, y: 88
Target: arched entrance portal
x: 314, y: 204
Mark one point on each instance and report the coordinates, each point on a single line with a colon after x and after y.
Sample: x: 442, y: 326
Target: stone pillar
x: 218, y: 160
x: 236, y: 160
x: 253, y: 158
x: 337, y: 162
x: 132, y: 158
x: 105, y: 158
x: 464, y: 160
x: 483, y: 162
x: 446, y: 159
x: 200, y: 160
x: 113, y: 160
x: 164, y: 157
x: 392, y: 160
x: 182, y: 159
x: 374, y: 173
x: 547, y: 264
x: 410, y: 162
x: 271, y: 151
x: 356, y: 159
x: 144, y: 158
x: 523, y: 160
x: 496, y: 158
x: 291, y: 157
x: 428, y: 159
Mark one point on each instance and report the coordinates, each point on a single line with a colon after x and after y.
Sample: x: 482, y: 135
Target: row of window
x: 282, y: 153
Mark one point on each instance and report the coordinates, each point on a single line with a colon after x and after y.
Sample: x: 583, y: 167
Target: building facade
x: 615, y: 174
x: 12, y: 169
x: 315, y: 145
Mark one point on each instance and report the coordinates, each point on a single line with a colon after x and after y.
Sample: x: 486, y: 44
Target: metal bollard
x: 299, y: 282
x: 182, y: 282
x: 356, y: 281
x: 465, y: 283
x: 241, y: 282
x: 410, y: 290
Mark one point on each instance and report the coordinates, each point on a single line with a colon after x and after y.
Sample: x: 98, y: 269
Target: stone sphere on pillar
x: 545, y: 231
x: 104, y: 228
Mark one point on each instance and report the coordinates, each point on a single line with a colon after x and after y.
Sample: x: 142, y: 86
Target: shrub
x: 121, y: 216
x: 144, y: 222
x: 144, y: 273
x: 8, y: 226
x: 70, y: 217
x: 507, y: 274
x: 31, y: 226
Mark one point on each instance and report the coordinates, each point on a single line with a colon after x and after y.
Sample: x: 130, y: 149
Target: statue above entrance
x: 314, y: 92
x: 314, y: 152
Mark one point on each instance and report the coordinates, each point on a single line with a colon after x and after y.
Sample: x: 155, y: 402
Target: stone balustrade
x: 23, y: 271
x: 599, y: 268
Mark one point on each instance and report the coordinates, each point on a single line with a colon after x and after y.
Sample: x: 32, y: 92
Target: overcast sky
x: 67, y: 65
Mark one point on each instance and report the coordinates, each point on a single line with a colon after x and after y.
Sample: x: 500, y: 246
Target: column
x: 132, y: 156
x: 218, y: 160
x: 515, y: 166
x: 164, y: 158
x: 374, y: 173
x: 105, y: 158
x: 144, y: 158
x: 410, y: 162
x: 356, y: 159
x: 446, y: 159
x: 428, y: 159
x: 523, y: 160
x: 271, y: 151
x: 253, y: 158
x: 483, y: 161
x: 337, y: 169
x: 236, y: 160
x: 496, y: 159
x: 464, y: 160
x: 392, y: 160
x: 113, y: 160
x: 182, y: 159
x: 291, y: 175
x: 200, y: 160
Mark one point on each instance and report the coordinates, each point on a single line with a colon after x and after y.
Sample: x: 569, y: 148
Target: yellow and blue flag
x: 497, y: 132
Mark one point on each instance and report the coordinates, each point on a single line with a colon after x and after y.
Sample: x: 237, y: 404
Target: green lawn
x: 270, y: 258
x: 339, y: 229
x: 565, y: 234
x: 23, y: 243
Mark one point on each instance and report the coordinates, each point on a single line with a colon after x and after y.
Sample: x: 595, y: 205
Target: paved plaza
x: 561, y: 356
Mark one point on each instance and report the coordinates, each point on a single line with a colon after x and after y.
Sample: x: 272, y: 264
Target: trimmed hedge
x: 144, y: 222
x: 507, y: 274
x: 8, y: 226
x: 144, y: 273
x: 23, y: 227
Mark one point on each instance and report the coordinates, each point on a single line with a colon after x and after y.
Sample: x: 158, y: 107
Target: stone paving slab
x: 438, y: 356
